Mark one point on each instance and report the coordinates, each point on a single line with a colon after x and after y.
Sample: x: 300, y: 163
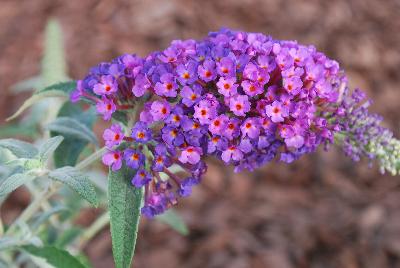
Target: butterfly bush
x: 244, y: 98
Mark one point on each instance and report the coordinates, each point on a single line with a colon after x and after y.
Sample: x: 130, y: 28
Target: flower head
x: 244, y: 98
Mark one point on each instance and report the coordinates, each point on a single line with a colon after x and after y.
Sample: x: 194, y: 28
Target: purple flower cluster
x: 244, y: 98
x: 363, y: 136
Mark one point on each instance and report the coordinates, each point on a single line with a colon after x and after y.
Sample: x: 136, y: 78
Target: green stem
x: 1, y: 228
x: 37, y: 203
x: 92, y: 158
x: 96, y: 226
x: 32, y: 208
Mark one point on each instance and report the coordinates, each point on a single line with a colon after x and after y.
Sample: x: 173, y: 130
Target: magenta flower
x: 227, y: 86
x: 226, y: 67
x: 142, y: 177
x: 160, y: 110
x: 204, y: 112
x: 190, y: 96
x: 113, y: 136
x: 292, y: 85
x: 276, y: 111
x: 134, y: 158
x: 106, y: 86
x: 251, y: 128
x: 231, y: 154
x: 218, y: 124
x: 141, y: 132
x: 113, y: 159
x: 106, y: 107
x: 167, y: 86
x: 232, y: 129
x: 207, y: 70
x: 296, y: 141
x: 169, y: 55
x: 191, y: 155
x: 78, y: 92
x: 239, y: 105
x: 187, y: 74
x: 252, y: 88
x: 142, y: 85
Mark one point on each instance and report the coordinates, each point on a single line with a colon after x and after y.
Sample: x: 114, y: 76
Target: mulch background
x: 323, y: 211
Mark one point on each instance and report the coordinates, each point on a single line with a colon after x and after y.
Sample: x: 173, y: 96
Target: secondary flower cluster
x: 242, y: 97
x: 362, y: 135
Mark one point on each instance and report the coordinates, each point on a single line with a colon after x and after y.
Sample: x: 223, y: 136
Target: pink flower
x: 227, y: 86
x: 113, y: 159
x: 239, y: 105
x: 276, y: 111
x: 191, y: 155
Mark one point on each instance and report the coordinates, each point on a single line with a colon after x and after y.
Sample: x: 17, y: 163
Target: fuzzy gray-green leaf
x: 76, y: 181
x: 56, y: 90
x: 19, y: 148
x: 73, y: 128
x: 56, y: 257
x: 48, y: 147
x: 13, y: 182
x: 124, y: 201
x: 69, y: 150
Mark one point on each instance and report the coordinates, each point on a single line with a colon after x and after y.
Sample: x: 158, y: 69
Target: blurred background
x: 322, y: 211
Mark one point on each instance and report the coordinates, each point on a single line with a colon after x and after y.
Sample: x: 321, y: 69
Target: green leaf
x: 54, y: 67
x: 72, y: 128
x: 67, y: 236
x: 69, y: 150
x: 124, y: 201
x: 27, y: 84
x: 59, y: 89
x: 42, y: 217
x: 76, y: 181
x: 56, y: 90
x: 171, y: 218
x: 8, y: 242
x: 48, y: 147
x: 18, y: 130
x: 13, y: 182
x: 56, y: 257
x: 19, y: 148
